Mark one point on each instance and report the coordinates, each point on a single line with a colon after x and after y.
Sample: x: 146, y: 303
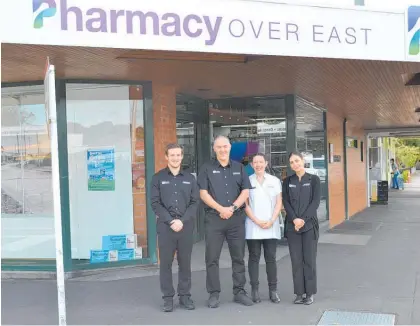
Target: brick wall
x: 356, y: 172
x: 164, y: 117
x: 336, y: 170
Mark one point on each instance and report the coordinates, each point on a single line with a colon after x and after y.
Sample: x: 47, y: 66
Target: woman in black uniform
x: 301, y: 198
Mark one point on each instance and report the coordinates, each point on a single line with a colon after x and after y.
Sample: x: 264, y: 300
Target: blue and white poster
x: 101, y: 170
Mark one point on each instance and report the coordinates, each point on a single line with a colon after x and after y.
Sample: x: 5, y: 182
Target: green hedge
x: 405, y: 175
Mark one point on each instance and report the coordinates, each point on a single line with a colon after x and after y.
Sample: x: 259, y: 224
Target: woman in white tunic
x: 263, y: 226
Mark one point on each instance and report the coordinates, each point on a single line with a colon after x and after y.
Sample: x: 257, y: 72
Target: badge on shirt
x: 236, y: 173
x: 215, y: 171
x: 292, y: 186
x: 186, y: 182
x: 165, y: 182
x: 306, y: 184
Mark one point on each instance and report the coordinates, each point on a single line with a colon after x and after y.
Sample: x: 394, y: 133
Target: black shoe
x: 299, y: 299
x: 186, y: 302
x: 243, y: 299
x: 274, y: 297
x: 309, y: 300
x: 255, y: 295
x: 168, y: 304
x: 213, y: 301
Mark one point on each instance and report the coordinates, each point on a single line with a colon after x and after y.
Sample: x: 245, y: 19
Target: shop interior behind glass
x: 256, y: 125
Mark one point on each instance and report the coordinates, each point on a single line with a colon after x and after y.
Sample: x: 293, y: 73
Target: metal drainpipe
x: 346, y: 194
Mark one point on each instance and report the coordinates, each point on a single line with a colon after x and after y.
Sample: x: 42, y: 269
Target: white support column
x: 51, y: 111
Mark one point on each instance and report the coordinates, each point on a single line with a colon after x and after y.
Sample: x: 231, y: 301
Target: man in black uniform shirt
x: 224, y: 187
x: 175, y: 200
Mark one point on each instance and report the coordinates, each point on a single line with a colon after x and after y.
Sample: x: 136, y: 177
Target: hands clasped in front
x: 226, y: 213
x: 177, y: 225
x: 299, y: 223
x: 264, y: 224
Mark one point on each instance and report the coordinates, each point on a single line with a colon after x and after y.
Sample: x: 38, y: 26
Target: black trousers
x: 303, y: 250
x: 254, y: 249
x: 216, y: 231
x: 182, y: 243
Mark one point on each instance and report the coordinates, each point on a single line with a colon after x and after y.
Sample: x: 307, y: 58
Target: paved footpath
x: 369, y: 264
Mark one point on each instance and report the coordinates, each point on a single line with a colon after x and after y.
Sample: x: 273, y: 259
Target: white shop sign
x: 217, y: 26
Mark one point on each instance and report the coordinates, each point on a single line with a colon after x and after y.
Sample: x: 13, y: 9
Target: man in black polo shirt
x: 224, y: 187
x: 175, y: 200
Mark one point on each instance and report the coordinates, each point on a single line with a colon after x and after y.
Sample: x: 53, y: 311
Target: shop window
x: 310, y: 142
x: 185, y: 132
x: 374, y: 157
x: 186, y: 120
x: 26, y: 183
x: 253, y: 125
x: 106, y: 169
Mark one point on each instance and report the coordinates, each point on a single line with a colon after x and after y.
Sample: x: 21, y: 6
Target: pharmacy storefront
x: 131, y: 77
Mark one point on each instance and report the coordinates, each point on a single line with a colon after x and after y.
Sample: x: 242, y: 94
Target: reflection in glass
x: 186, y: 118
x: 186, y: 123
x: 310, y: 142
x: 26, y: 182
x: 105, y: 117
x: 253, y: 125
x: 185, y: 132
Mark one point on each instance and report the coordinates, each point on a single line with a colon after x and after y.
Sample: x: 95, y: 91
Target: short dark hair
x: 297, y: 153
x: 173, y: 146
x: 259, y: 154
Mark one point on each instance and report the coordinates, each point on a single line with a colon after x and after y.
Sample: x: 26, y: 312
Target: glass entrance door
x: 193, y: 134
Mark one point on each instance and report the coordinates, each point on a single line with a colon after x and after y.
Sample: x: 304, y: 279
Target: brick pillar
x: 164, y: 124
x: 164, y: 118
x: 336, y: 190
x: 138, y: 169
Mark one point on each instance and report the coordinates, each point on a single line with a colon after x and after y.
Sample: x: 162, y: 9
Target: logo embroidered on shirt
x: 236, y: 173
x: 292, y: 186
x: 186, y: 182
x: 306, y: 184
x: 215, y: 171
x: 165, y: 182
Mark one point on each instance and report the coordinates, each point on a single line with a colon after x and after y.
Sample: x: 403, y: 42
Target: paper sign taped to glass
x: 101, y: 169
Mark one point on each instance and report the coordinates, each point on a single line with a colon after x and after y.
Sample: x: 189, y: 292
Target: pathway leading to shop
x: 368, y: 264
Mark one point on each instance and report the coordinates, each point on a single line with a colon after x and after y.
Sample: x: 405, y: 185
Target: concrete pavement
x: 371, y: 263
